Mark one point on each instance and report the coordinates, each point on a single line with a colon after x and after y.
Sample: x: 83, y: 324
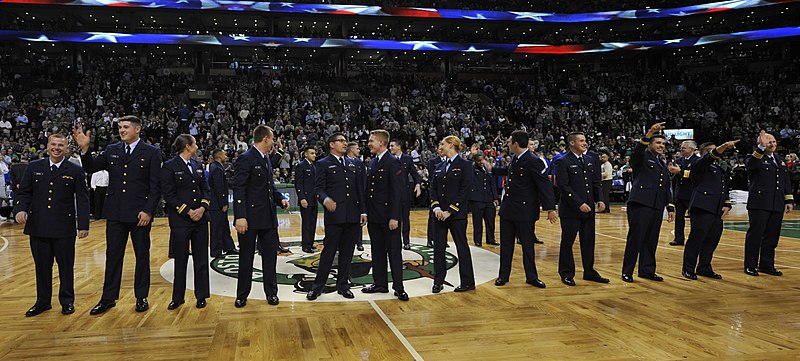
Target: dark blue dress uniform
x: 432, y: 163
x: 385, y: 188
x: 254, y: 199
x: 450, y: 186
x: 482, y: 196
x: 185, y: 189
x: 305, y: 178
x: 579, y: 182
x: 412, y: 178
x: 362, y: 168
x: 343, y: 182
x: 650, y: 193
x: 221, y: 240
x: 709, y: 195
x: 682, y: 191
x: 526, y: 188
x: 770, y: 189
x: 133, y: 187
x: 53, y: 199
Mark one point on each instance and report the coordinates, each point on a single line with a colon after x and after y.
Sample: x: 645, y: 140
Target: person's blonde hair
x: 381, y: 134
x: 457, y: 144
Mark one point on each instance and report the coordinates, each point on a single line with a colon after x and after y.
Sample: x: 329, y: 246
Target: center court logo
x: 296, y: 272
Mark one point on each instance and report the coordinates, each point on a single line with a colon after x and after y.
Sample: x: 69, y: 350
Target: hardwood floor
x: 740, y: 317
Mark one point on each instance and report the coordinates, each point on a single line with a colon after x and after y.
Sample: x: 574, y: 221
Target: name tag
x: 38, y: 173
x: 179, y: 173
x: 114, y: 156
x: 331, y: 166
x: 258, y: 167
x: 67, y: 177
x: 686, y: 173
x: 573, y: 166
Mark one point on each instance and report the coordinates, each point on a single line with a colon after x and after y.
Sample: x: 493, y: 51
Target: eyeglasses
x: 340, y: 140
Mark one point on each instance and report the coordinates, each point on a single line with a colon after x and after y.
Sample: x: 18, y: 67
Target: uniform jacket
x: 709, y: 185
x: 385, y: 187
x: 578, y: 184
x: 345, y: 185
x: 133, y: 180
x: 770, y: 186
x: 526, y: 188
x: 305, y: 178
x: 450, y: 187
x: 218, y: 185
x: 184, y: 190
x: 651, y: 184
x: 53, y: 199
x: 254, y: 193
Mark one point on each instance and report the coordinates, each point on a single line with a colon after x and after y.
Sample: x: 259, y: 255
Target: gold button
x: 125, y: 166
x: 51, y: 191
x: 192, y: 181
x: 124, y: 174
x: 348, y: 194
x: 124, y: 182
x: 48, y: 207
x: 195, y: 199
x: 194, y: 190
x: 49, y: 199
x: 123, y: 191
x: 51, y: 183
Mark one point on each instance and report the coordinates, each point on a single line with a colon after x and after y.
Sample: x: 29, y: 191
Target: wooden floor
x: 740, y: 317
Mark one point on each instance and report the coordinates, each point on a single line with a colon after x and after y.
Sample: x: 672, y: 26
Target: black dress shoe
x: 437, y: 288
x: 37, y: 309
x: 171, y: 255
x: 429, y: 245
x: 201, y: 303
x: 68, y: 309
x: 751, y: 271
x: 273, y: 300
x: 627, y: 278
x: 233, y: 251
x: 568, y: 281
x: 240, y: 303
x: 142, y: 305
x: 102, y: 306
x: 401, y: 295
x: 493, y: 243
x: 463, y: 288
x: 652, y: 277
x: 538, y: 241
x: 173, y: 305
x: 407, y: 247
x: 536, y: 283
x: 771, y: 271
x: 312, y: 295
x: 676, y: 243
x: 500, y: 282
x: 713, y: 275
x: 689, y: 275
x: 375, y: 289
x: 308, y: 250
x: 478, y: 244
x: 346, y: 293
x: 596, y: 278
x: 282, y: 249
x: 360, y: 248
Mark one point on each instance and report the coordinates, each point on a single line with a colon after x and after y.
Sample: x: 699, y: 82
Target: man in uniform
x: 51, y: 195
x: 708, y: 206
x: 304, y: 181
x: 255, y: 217
x: 354, y: 155
x: 221, y: 240
x: 412, y: 188
x: 385, y: 186
x: 432, y: 164
x: 769, y: 197
x: 340, y: 190
x: 681, y: 171
x: 134, y: 171
x: 482, y: 201
x: 581, y: 190
x: 527, y: 187
x: 650, y: 193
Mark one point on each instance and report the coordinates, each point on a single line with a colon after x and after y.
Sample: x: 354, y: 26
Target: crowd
x: 305, y: 106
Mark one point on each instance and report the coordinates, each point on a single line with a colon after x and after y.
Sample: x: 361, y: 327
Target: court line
x: 397, y: 333
x: 681, y: 250
x: 5, y: 243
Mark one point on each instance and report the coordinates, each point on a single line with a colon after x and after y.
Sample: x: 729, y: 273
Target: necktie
x: 513, y: 160
x: 774, y: 162
x: 341, y: 160
x: 128, y: 150
x: 189, y: 164
x: 53, y: 168
x: 580, y: 160
x: 447, y: 166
